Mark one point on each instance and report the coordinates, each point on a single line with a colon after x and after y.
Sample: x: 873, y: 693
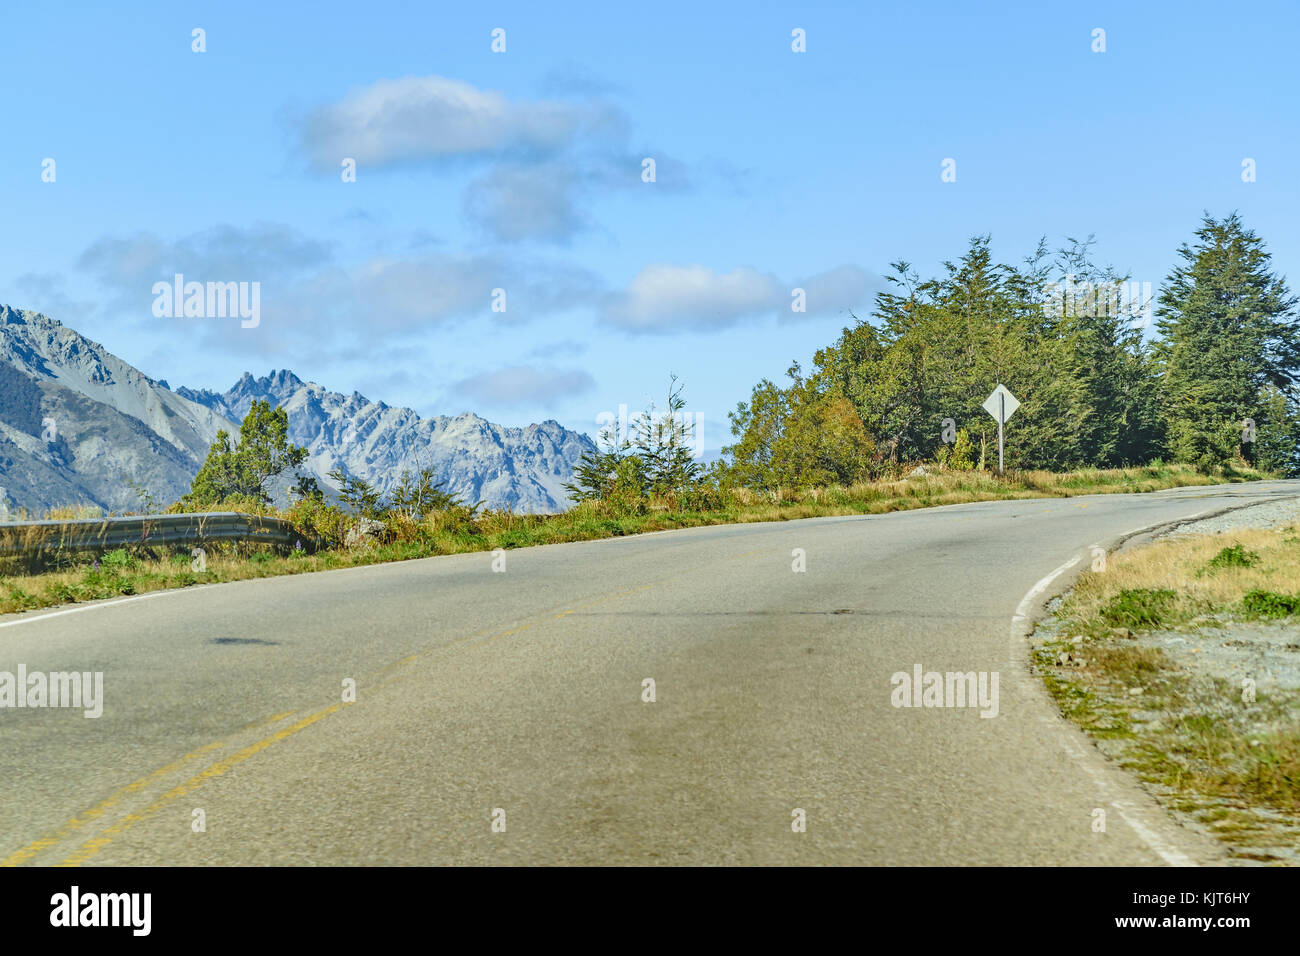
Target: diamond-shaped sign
x: 1001, y: 404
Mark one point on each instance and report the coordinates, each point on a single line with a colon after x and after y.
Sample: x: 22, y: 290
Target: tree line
x: 1217, y: 384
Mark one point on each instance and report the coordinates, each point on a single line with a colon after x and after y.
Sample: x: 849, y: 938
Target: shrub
x: 961, y: 457
x: 458, y: 520
x: 1234, y: 556
x: 317, y: 520
x: 117, y: 561
x: 701, y: 497
x: 1269, y: 604
x: 1139, y: 607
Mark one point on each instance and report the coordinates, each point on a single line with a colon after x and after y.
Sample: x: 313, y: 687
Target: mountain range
x: 78, y: 425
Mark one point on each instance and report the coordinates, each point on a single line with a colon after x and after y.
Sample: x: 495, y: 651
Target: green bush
x: 460, y: 520
x: 1234, y: 556
x: 1269, y: 604
x: 117, y: 561
x: 701, y: 497
x: 962, y: 455
x: 317, y: 520
x: 1139, y: 607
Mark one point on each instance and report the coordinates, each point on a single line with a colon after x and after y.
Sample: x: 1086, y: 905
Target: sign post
x: 1001, y: 405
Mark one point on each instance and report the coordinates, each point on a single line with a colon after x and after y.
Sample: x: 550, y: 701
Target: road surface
x: 500, y: 716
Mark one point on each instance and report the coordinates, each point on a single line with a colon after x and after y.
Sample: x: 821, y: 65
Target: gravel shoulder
x: 1181, y: 659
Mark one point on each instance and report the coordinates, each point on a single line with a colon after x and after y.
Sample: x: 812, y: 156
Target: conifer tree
x: 1229, y: 333
x: 237, y: 472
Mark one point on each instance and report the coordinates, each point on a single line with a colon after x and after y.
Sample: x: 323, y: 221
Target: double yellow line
x: 93, y: 846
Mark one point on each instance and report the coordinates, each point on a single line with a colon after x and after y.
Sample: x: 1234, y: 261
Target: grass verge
x: 1182, y: 659
x: 90, y: 577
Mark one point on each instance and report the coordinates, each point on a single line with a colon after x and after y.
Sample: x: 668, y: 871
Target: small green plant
x: 1269, y: 604
x: 148, y: 502
x: 1234, y: 556
x: 962, y: 455
x: 358, y: 494
x: 20, y: 599
x: 418, y: 494
x: 117, y: 561
x: 1139, y: 607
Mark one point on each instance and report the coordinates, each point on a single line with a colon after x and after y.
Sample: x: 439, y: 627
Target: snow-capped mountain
x: 80, y: 425
x: 523, y: 469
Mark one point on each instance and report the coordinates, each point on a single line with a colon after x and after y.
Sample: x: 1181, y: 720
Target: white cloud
x: 419, y: 118
x: 833, y: 292
x: 222, y: 253
x: 521, y: 385
x: 514, y: 202
x: 664, y: 297
x: 312, y: 304
x: 541, y: 161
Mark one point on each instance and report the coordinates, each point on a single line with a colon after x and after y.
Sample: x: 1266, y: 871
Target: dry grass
x: 33, y: 583
x: 1185, y: 728
x: 1184, y: 567
x: 74, y: 512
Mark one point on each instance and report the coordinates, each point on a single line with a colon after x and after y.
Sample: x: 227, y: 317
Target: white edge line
x: 1152, y: 840
x: 1026, y: 602
x: 89, y: 607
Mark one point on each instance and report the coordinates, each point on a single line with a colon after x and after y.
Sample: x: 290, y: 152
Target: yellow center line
x: 269, y: 720
x: 92, y: 847
x: 98, y: 810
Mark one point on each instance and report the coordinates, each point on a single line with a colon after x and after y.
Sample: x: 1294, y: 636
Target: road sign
x: 1001, y: 405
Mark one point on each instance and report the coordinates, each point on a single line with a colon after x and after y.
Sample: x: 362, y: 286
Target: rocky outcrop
x: 122, y: 440
x: 520, y: 469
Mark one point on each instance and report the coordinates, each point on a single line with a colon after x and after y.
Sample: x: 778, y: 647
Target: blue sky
x: 522, y: 170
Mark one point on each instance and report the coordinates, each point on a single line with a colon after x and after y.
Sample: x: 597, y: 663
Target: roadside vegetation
x: 1216, y: 385
x: 1182, y: 659
x: 393, y: 529
x: 890, y: 418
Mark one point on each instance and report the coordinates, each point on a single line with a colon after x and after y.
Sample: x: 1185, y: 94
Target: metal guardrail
x: 88, y: 534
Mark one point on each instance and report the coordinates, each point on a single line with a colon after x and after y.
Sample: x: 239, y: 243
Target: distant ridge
x: 80, y: 425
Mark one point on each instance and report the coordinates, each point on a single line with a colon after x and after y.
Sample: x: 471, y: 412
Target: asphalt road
x: 515, y: 698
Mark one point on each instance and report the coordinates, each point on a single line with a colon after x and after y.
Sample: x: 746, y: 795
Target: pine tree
x: 1111, y: 413
x: 358, y: 494
x: 663, y: 445
x: 611, y: 467
x: 1276, y: 445
x: 236, y: 473
x: 1229, y: 331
